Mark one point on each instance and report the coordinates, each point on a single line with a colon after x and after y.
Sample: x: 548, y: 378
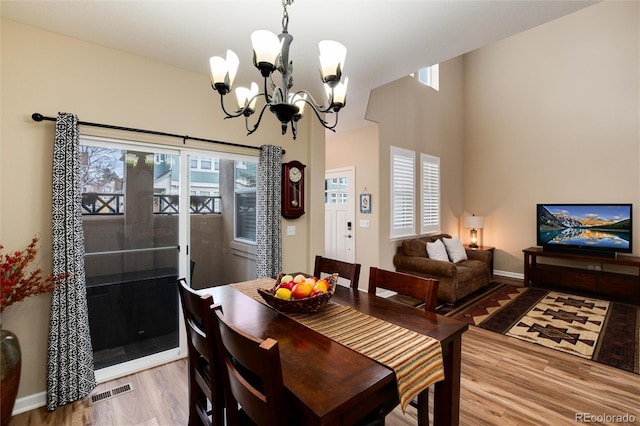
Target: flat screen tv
x: 589, y: 229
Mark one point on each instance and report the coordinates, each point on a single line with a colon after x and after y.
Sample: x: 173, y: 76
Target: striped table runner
x: 415, y: 358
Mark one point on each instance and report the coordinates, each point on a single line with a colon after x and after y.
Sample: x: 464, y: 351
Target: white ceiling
x: 385, y: 40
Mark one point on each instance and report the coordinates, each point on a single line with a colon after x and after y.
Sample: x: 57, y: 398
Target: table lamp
x: 474, y: 222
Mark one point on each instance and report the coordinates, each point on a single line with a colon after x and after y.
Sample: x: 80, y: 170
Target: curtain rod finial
x: 36, y: 116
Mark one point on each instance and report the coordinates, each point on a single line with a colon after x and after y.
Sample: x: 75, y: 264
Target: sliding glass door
x: 222, y: 223
x: 153, y: 214
x: 131, y: 227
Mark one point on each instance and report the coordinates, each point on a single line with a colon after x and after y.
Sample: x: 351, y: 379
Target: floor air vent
x: 111, y: 393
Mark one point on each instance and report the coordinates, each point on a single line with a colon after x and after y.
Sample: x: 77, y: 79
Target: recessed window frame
x: 430, y: 76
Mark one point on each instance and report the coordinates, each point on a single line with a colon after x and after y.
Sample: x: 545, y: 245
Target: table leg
x: 423, y: 408
x: 526, y: 269
x: 446, y: 404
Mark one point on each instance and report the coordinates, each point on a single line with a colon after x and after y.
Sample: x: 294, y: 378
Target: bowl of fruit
x: 300, y: 292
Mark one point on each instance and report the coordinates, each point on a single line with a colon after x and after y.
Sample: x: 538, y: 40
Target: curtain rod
x: 39, y: 117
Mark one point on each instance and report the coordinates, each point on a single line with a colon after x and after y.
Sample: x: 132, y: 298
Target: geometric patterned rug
x: 599, y: 330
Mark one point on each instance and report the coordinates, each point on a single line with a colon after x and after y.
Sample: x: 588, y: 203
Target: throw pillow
x: 455, y: 249
x: 437, y: 251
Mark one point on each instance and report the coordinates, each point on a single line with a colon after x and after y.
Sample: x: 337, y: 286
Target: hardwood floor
x: 504, y: 382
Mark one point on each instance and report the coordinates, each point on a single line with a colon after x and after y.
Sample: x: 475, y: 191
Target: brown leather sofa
x: 456, y: 279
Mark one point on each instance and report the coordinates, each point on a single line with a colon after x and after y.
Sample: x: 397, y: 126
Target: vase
x: 10, y: 366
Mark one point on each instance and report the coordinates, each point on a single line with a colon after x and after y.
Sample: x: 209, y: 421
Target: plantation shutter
x: 430, y: 172
x: 402, y: 192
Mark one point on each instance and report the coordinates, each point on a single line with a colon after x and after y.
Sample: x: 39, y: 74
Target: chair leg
x: 423, y: 408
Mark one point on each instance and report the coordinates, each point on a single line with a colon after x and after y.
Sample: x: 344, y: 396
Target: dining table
x: 328, y: 383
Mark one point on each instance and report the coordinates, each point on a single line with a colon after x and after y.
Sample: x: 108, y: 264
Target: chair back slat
x: 253, y: 376
x: 346, y: 270
x: 405, y: 284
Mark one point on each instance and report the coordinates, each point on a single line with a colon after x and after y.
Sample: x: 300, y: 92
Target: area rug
x: 599, y: 330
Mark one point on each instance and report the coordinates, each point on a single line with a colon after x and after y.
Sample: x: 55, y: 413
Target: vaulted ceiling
x: 386, y: 40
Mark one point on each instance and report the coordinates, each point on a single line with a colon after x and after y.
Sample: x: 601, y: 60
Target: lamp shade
x: 223, y: 71
x: 475, y: 222
x: 266, y: 47
x: 332, y: 56
x: 247, y: 97
x: 299, y: 100
x: 340, y: 93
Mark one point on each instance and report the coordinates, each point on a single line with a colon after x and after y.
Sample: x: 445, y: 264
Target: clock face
x: 295, y: 175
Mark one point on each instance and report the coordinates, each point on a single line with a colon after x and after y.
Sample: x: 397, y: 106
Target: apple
x: 311, y: 280
x: 322, y: 285
x: 286, y: 278
x: 301, y: 290
x: 316, y: 293
x: 299, y: 278
x: 287, y: 284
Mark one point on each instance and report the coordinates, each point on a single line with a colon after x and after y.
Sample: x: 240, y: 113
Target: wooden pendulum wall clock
x: 292, y: 189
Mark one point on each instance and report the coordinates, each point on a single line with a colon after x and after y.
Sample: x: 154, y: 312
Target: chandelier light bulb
x: 247, y: 97
x: 339, y: 93
x: 223, y: 71
x: 299, y: 100
x: 332, y: 57
x: 266, y: 48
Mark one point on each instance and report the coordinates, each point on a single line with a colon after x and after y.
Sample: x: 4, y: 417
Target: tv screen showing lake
x: 597, y: 226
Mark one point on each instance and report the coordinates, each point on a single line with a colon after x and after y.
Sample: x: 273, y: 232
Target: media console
x: 616, y: 286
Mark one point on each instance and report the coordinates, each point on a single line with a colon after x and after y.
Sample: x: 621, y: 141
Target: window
x: 245, y: 173
x: 430, y: 76
x: 335, y: 191
x: 402, y: 192
x: 430, y: 193
x: 205, y: 163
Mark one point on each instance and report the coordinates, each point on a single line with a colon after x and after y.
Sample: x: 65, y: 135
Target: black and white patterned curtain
x: 70, y: 374
x: 268, y: 232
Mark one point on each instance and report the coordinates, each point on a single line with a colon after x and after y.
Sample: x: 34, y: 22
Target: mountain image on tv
x: 597, y: 226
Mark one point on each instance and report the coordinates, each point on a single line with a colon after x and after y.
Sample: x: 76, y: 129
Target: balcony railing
x: 106, y: 204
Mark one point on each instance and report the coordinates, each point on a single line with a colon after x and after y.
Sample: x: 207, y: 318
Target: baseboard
x: 508, y: 274
x: 30, y: 402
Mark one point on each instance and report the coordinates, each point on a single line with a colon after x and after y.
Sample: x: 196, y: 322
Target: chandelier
x: 270, y: 54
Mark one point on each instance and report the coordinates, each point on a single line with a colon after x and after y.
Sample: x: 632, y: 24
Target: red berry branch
x: 18, y: 280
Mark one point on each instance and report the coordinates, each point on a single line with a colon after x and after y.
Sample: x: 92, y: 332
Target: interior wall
x: 416, y: 117
x: 360, y: 149
x: 46, y: 73
x: 553, y: 116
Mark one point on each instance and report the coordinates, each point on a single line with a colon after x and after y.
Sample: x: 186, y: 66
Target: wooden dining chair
x: 424, y: 289
x: 346, y: 270
x: 418, y: 288
x: 252, y: 375
x: 206, y: 392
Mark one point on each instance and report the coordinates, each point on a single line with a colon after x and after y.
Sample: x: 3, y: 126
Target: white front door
x: 339, y: 214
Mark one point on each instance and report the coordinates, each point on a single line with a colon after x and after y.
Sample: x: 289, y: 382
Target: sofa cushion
x: 437, y: 251
x: 417, y: 247
x: 414, y: 247
x: 455, y: 249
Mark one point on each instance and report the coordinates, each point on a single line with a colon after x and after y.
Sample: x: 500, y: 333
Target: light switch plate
x: 291, y: 230
x: 364, y: 223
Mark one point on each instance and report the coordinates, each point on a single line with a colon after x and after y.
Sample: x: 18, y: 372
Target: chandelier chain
x: 285, y: 15
x: 285, y: 19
